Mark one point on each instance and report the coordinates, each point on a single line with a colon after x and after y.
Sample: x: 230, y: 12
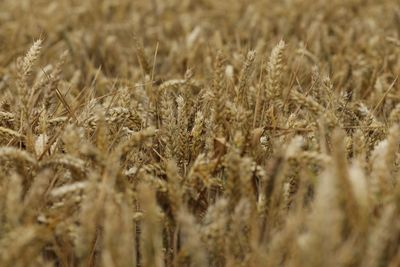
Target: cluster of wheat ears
x: 199, y: 133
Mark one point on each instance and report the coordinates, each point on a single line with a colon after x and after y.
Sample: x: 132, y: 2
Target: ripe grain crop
x: 199, y: 133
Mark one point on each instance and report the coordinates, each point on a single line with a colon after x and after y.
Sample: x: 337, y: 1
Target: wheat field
x: 199, y: 133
